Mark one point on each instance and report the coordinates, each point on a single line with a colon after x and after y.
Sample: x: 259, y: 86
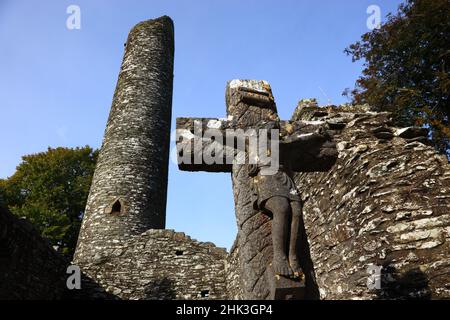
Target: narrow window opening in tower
x: 179, y: 252
x: 204, y: 293
x: 116, y: 208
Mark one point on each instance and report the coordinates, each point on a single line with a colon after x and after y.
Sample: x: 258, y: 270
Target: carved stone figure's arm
x: 308, y: 145
x: 303, y: 133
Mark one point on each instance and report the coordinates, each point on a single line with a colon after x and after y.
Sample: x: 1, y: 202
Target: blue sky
x: 57, y: 84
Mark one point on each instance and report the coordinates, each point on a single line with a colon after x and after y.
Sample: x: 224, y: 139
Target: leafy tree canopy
x: 50, y: 189
x: 406, y: 69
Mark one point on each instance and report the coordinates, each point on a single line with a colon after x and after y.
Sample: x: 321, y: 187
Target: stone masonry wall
x: 29, y: 267
x: 386, y: 202
x: 161, y: 264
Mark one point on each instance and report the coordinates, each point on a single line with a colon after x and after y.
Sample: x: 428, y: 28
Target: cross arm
x: 307, y: 144
x: 192, y: 143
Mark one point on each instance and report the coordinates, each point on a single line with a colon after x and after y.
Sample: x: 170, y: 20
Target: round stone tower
x: 129, y: 187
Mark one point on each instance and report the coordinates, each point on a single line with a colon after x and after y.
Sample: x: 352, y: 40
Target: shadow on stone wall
x: 90, y: 290
x: 410, y: 285
x: 161, y: 290
x: 30, y: 269
x: 312, y: 289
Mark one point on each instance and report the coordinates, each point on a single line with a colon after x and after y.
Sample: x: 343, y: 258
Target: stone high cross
x: 250, y: 103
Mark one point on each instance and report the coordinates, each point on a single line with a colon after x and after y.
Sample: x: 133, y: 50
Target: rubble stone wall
x: 385, y: 203
x: 161, y: 264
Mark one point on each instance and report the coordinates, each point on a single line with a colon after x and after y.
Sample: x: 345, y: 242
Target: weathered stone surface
x: 306, y: 109
x: 157, y: 265
x: 385, y: 203
x: 411, y: 132
x: 254, y: 228
x: 383, y: 133
x: 132, y: 168
x: 233, y: 274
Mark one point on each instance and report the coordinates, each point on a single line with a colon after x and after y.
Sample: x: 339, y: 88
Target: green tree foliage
x: 50, y: 189
x: 406, y: 68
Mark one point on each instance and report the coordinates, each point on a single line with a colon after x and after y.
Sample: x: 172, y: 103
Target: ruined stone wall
x: 29, y: 267
x: 386, y: 202
x: 160, y: 264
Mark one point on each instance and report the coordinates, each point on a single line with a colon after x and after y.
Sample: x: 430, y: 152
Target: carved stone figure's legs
x: 281, y: 211
x: 297, y: 220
